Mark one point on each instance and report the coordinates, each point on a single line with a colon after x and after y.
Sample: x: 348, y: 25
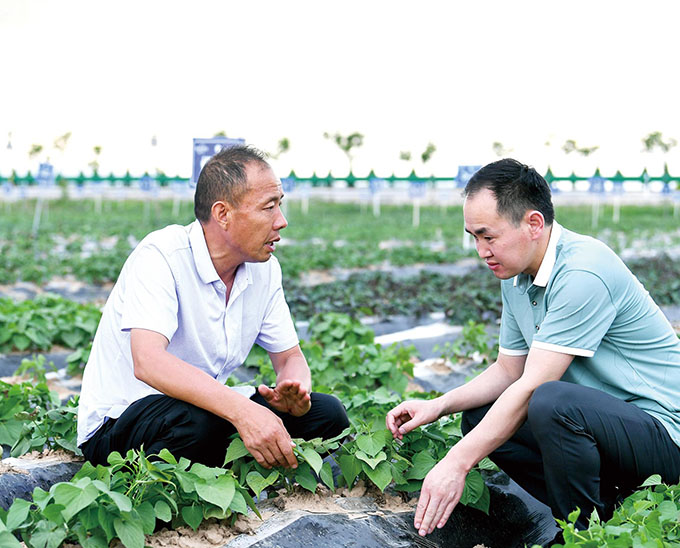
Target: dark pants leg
x: 158, y: 422
x: 580, y: 447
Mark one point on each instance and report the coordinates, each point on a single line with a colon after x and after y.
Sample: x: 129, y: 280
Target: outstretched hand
x: 411, y: 414
x: 288, y: 397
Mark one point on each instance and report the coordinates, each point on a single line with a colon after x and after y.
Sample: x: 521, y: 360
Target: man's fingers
x: 447, y: 514
x: 421, y: 508
x: 286, y: 448
x: 428, y: 522
x: 266, y: 392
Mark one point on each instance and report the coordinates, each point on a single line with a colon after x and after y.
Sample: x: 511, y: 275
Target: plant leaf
x: 17, y: 514
x: 423, y: 462
x: 305, y: 478
x: 236, y: 450
x: 257, y: 482
x: 350, y: 467
x: 474, y: 487
x: 372, y: 462
x: 368, y: 444
x: 192, y: 515
x: 129, y: 532
x: 74, y: 498
x: 652, y: 480
x: 381, y: 476
x: 219, y: 492
x: 313, y: 458
x: 327, y: 476
x: 162, y: 510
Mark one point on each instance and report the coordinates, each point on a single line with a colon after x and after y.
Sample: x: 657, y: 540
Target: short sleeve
x: 580, y: 311
x: 277, y: 332
x: 150, y: 297
x: 511, y: 342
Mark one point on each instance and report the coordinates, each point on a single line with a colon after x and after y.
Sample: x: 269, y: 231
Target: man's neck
x: 541, y: 249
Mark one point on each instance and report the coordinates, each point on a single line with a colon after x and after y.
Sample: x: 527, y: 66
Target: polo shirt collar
x: 206, y: 268
x: 547, y: 264
x: 199, y: 248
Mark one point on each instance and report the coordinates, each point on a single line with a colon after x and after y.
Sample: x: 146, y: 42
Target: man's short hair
x: 518, y: 188
x: 224, y: 178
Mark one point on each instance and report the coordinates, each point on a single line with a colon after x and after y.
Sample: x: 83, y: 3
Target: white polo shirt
x: 169, y: 285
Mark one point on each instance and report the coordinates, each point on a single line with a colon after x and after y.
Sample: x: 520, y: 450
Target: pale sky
x: 403, y: 73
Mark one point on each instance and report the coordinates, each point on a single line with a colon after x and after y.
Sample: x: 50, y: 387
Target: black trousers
x: 581, y: 447
x: 159, y: 422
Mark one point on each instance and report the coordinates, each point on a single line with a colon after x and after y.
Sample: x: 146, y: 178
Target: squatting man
x: 188, y: 305
x: 583, y: 401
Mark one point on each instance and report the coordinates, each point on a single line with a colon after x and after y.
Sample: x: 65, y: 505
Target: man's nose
x: 280, y: 222
x: 482, y: 249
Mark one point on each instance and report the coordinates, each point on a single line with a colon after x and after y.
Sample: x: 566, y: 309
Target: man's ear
x: 221, y: 213
x: 536, y: 223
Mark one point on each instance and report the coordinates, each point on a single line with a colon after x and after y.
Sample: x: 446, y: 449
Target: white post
x: 376, y: 204
x: 616, y: 217
x: 36, y: 215
x: 416, y: 212
x: 596, y: 212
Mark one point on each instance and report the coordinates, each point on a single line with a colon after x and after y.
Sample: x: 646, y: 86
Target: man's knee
x: 331, y: 412
x: 195, y: 424
x: 551, y: 402
x: 472, y: 417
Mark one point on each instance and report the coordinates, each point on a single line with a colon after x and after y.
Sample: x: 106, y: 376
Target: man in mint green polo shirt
x: 583, y: 402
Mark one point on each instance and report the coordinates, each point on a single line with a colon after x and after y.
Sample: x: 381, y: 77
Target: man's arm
x: 443, y: 486
x: 292, y: 393
x: 483, y: 389
x: 261, y: 430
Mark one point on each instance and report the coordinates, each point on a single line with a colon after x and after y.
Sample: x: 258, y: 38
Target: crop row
x: 74, y: 240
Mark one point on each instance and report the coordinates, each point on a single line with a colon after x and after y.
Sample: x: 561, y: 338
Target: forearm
x: 295, y: 368
x: 482, y: 390
x: 499, y: 424
x: 180, y: 380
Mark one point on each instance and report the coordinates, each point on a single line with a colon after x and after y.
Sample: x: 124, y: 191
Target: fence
x: 349, y: 180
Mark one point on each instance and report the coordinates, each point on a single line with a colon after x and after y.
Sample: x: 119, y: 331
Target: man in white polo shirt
x: 188, y: 305
x: 583, y: 402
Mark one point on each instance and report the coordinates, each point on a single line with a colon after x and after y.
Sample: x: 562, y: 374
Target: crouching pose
x: 583, y: 402
x: 188, y: 306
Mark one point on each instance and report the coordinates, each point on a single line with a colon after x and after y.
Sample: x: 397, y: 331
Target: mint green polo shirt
x: 585, y: 302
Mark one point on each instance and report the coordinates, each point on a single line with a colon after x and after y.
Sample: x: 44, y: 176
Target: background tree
x: 347, y: 143
x: 426, y: 155
x: 655, y: 140
x: 282, y: 147
x: 34, y: 151
x: 220, y: 133
x: 94, y: 164
x: 500, y: 150
x: 570, y: 146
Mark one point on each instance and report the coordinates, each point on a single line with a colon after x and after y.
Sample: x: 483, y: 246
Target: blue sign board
x: 145, y: 182
x: 596, y: 185
x: 204, y: 149
x: 45, y: 174
x: 465, y: 173
x: 416, y: 189
x: 376, y: 185
x: 288, y: 185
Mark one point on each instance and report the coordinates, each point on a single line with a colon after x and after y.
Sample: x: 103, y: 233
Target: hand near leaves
x: 411, y: 414
x: 287, y: 397
x: 265, y: 436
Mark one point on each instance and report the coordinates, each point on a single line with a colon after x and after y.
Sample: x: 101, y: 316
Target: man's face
x: 254, y: 225
x: 506, y: 248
